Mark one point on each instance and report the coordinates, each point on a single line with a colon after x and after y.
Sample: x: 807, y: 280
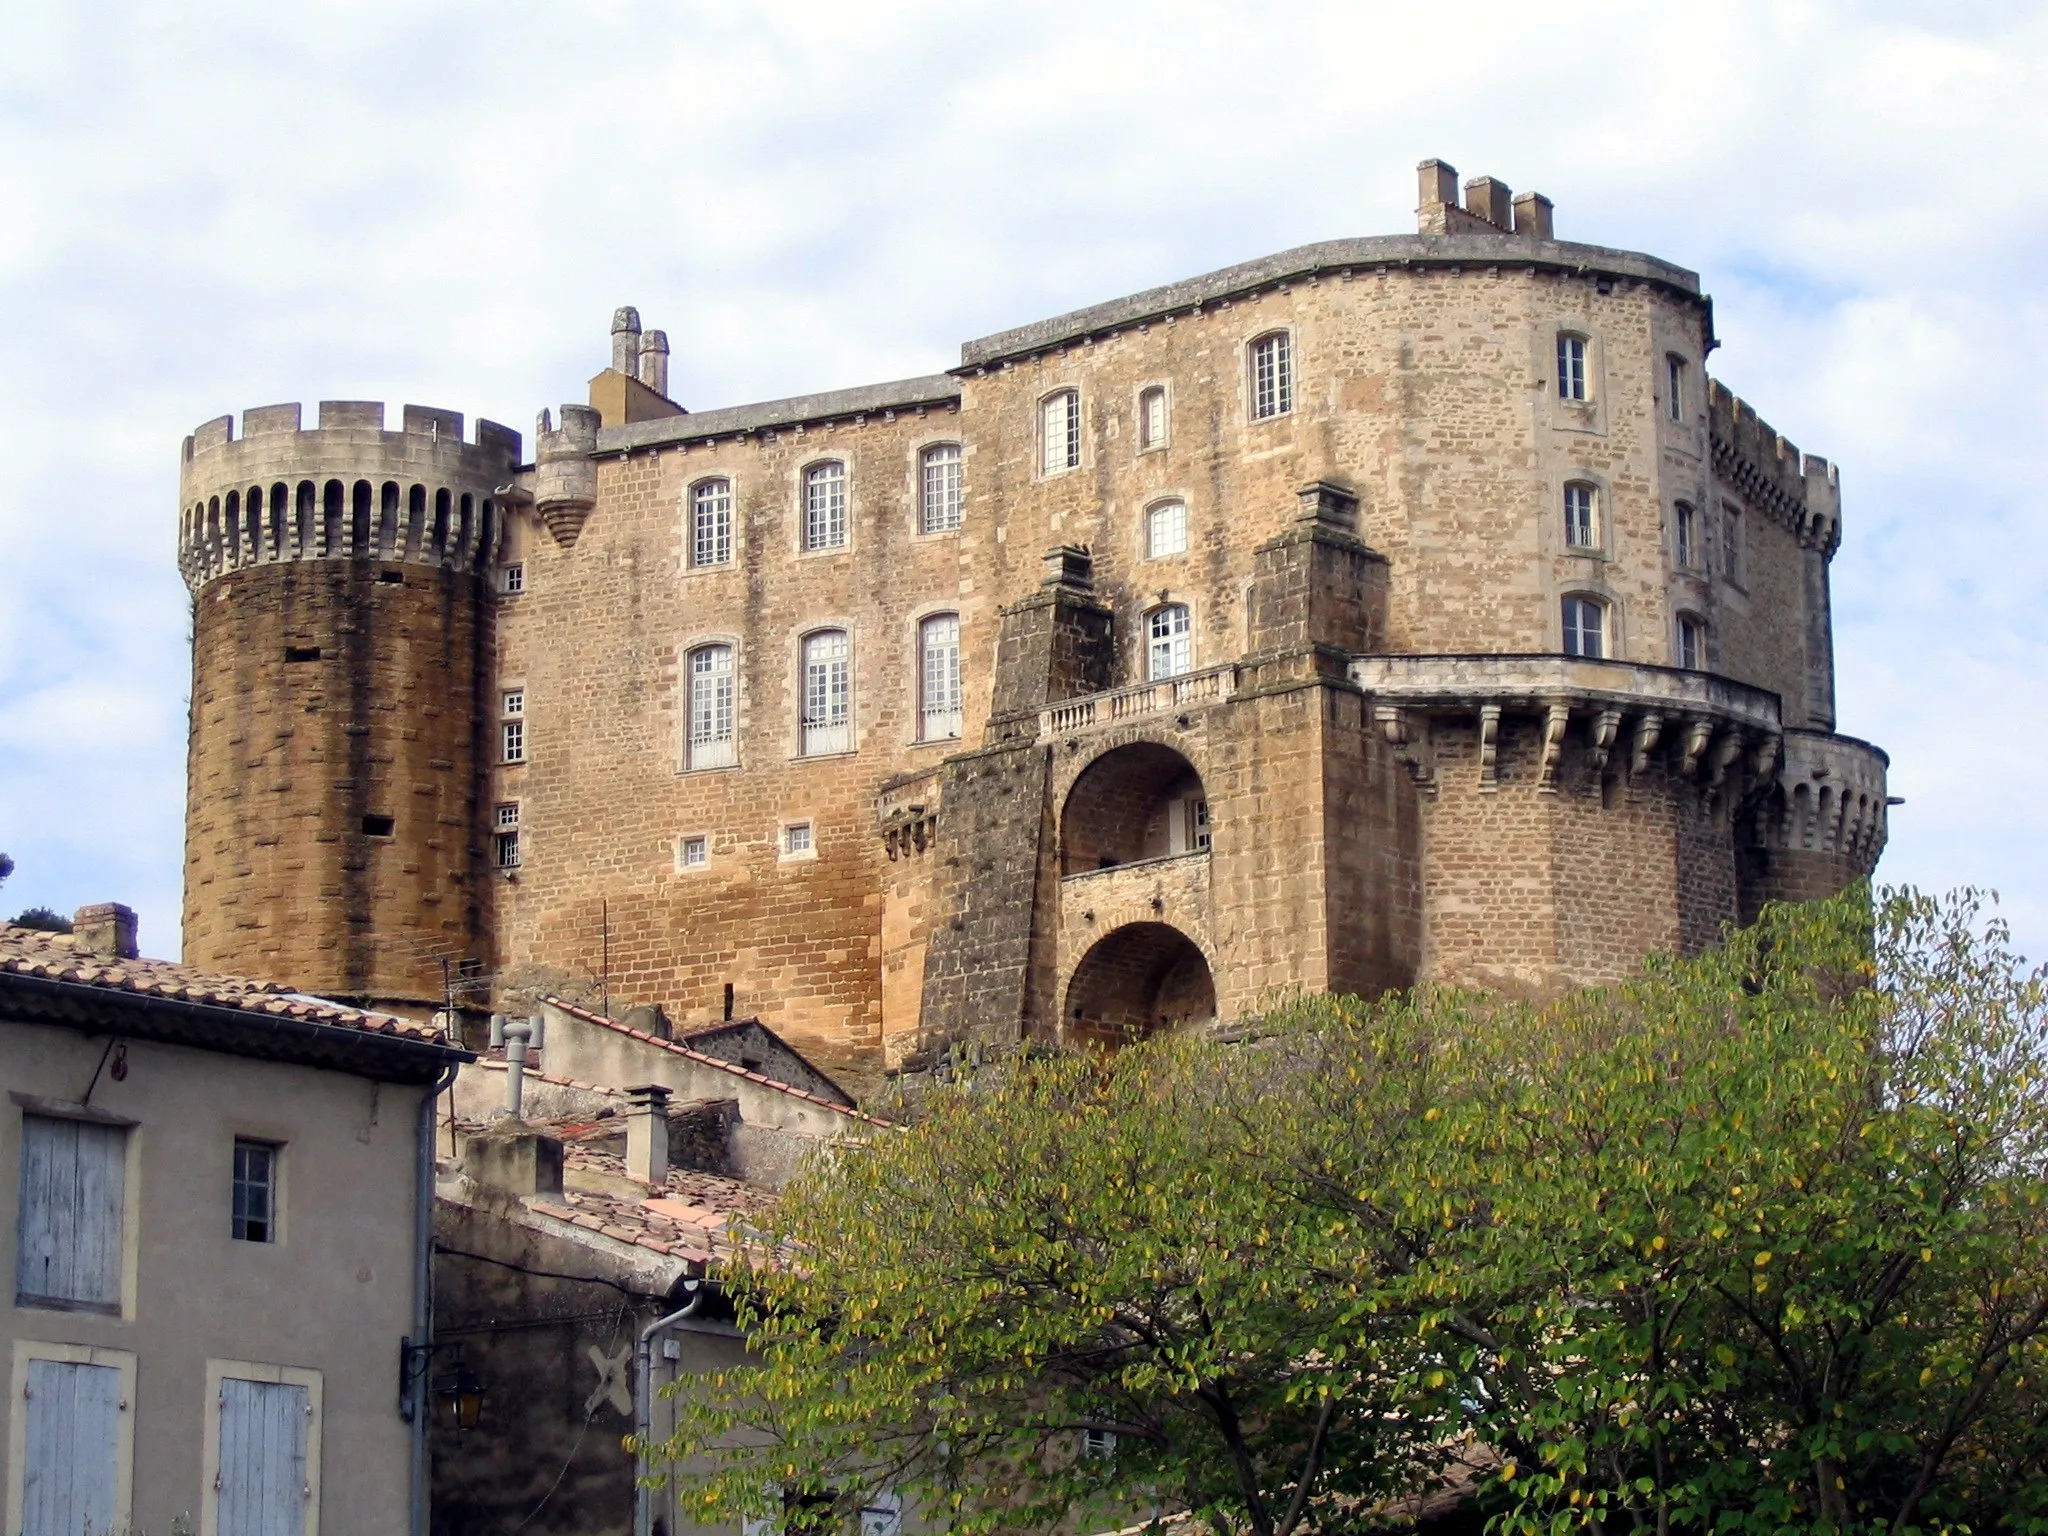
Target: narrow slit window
x: 1674, y: 385
x: 1731, y: 543
x: 940, y: 489
x: 711, y: 523
x: 1152, y: 421
x: 1272, y: 376
x: 255, y: 1192
x: 825, y: 506
x: 1059, y: 431
x: 1686, y: 535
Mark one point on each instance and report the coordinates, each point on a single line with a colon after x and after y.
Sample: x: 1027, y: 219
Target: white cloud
x: 209, y: 206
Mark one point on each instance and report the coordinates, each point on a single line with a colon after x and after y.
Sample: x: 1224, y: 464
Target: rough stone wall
x: 289, y: 758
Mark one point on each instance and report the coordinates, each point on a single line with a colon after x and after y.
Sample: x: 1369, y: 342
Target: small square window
x: 1098, y: 1444
x: 797, y: 842
x: 696, y: 852
x: 255, y: 1192
x: 512, y: 580
x: 379, y: 826
x: 508, y: 816
x: 515, y: 702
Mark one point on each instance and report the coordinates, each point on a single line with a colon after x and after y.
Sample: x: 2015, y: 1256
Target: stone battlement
x: 351, y: 416
x: 1801, y: 491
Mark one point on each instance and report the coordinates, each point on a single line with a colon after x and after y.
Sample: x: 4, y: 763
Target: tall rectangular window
x: 827, y: 694
x: 1585, y: 628
x: 70, y: 1222
x: 1686, y: 535
x: 1059, y: 431
x: 1581, y: 521
x: 939, y: 711
x: 1571, y: 366
x: 712, y: 737
x: 1674, y: 385
x: 1166, y: 529
x: 1152, y: 422
x: 939, y: 484
x: 505, y: 835
x: 711, y: 523
x: 1692, y: 642
x: 1169, y: 642
x: 1272, y: 376
x: 255, y: 1190
x: 1731, y: 542
x: 825, y: 506
x: 512, y: 726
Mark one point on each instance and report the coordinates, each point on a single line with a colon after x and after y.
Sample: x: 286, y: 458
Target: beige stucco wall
x: 332, y: 1295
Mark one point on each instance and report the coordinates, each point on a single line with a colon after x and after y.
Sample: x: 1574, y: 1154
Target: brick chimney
x: 106, y: 928
x: 647, y: 1134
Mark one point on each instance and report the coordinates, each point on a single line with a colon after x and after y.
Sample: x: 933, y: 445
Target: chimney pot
x: 1488, y: 198
x: 1532, y: 216
x: 654, y: 362
x: 105, y: 928
x: 647, y: 1134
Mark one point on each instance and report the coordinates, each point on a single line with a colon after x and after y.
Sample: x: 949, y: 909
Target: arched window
x: 827, y: 724
x: 1581, y: 516
x: 1152, y: 421
x: 1166, y: 529
x: 938, y: 716
x: 825, y: 506
x: 1059, y: 431
x: 712, y: 738
x: 1571, y: 366
x: 1585, y: 627
x: 711, y: 522
x: 939, y: 488
x: 1692, y: 642
x: 1169, y: 642
x: 1685, y: 535
x: 1272, y: 376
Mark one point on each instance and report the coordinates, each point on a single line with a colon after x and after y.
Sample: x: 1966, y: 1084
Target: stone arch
x: 1138, y: 980
x: 1142, y: 800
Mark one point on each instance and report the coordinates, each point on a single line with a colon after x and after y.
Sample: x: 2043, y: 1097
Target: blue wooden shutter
x: 71, y: 1449
x: 264, y: 1426
x: 73, y: 1184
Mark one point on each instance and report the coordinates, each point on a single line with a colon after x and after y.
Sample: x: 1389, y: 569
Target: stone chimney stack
x: 647, y: 1134
x: 626, y: 341
x: 1488, y: 198
x: 654, y: 361
x: 107, y: 929
x: 1532, y: 216
x: 515, y: 1158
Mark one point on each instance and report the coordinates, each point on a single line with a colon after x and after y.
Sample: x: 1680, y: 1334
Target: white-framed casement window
x: 1166, y: 529
x: 825, y: 506
x: 71, y: 1440
x: 713, y: 738
x: 1585, y: 627
x: 827, y: 722
x: 1059, y: 431
x: 798, y: 841
x: 1685, y: 535
x: 711, y: 522
x: 261, y: 1473
x: 512, y: 579
x: 512, y: 725
x: 1098, y: 1444
x: 505, y: 849
x: 1581, y: 515
x: 1674, y: 385
x: 1153, y: 421
x: 1571, y: 366
x: 939, y: 489
x: 693, y: 851
x: 1692, y: 642
x: 72, y: 1218
x: 938, y: 645
x: 882, y: 1515
x: 256, y: 1187
x: 1169, y: 642
x: 1272, y: 363
x: 1731, y: 542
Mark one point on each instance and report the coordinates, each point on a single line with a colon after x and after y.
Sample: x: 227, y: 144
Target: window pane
x: 1166, y: 529
x: 1579, y: 529
x: 827, y: 693
x: 711, y: 523
x: 255, y: 1178
x: 941, y: 489
x: 1169, y: 647
x: 1571, y: 367
x: 825, y: 506
x: 1686, y: 534
x: 1060, y: 431
x: 1152, y: 418
x: 711, y: 707
x: 1272, y: 376
x: 939, y: 717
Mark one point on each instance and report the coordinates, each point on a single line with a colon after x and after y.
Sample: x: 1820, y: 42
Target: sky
x: 206, y: 207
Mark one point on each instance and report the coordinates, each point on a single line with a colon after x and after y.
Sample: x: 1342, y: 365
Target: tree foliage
x: 1755, y: 1241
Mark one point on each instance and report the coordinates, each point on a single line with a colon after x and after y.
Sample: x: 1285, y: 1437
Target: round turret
x: 340, y: 633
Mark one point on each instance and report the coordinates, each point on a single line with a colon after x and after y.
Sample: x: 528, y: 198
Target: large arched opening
x: 1141, y: 801
x: 1140, y: 980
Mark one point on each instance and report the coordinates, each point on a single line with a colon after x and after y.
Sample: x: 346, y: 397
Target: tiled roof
x: 57, y: 957
x: 679, y: 1049
x: 689, y: 1220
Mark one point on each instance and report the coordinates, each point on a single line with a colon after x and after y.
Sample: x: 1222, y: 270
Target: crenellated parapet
x: 347, y: 488
x: 1801, y: 491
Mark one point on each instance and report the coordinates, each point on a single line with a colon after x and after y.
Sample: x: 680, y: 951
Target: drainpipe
x: 423, y: 1290
x: 643, y: 1397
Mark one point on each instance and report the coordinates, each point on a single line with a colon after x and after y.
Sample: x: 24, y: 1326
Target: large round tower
x: 339, y: 644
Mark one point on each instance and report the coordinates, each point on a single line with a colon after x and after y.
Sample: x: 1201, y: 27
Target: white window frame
x: 1149, y: 439
x: 829, y: 734
x: 1270, y: 359
x: 1691, y: 628
x: 797, y: 839
x: 1059, y: 448
x: 218, y: 1371
x: 512, y: 724
x: 26, y: 1350
x: 824, y: 489
x: 1574, y: 635
x: 941, y: 488
x: 710, y: 748
x: 512, y: 578
x: 505, y: 835
x: 701, y: 842
x: 709, y: 508
x: 939, y: 709
x: 1174, y: 647
x: 1581, y: 503
x: 1176, y: 526
x: 1574, y: 367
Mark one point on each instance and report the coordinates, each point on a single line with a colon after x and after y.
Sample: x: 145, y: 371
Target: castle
x: 1387, y: 609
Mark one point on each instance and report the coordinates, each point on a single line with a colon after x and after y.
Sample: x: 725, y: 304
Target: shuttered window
x: 262, y: 1487
x: 73, y: 1177
x: 71, y: 1449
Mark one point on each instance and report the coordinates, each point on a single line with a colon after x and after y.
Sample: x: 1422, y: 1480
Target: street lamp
x: 461, y: 1397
